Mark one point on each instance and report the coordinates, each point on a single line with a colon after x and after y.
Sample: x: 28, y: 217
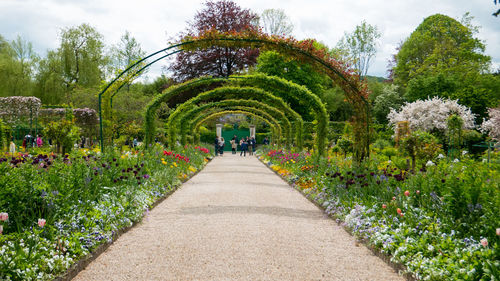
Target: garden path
x: 237, y: 220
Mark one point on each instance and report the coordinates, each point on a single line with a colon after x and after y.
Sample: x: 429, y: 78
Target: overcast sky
x: 153, y: 22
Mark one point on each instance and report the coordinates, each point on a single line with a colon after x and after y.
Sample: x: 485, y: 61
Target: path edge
x: 79, y: 266
x: 399, y: 268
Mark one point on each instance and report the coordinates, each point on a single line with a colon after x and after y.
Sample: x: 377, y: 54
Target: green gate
x: 229, y: 134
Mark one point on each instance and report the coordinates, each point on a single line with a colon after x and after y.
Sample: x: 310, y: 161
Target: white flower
x: 440, y: 156
x: 456, y: 160
x: 430, y: 163
x: 464, y: 152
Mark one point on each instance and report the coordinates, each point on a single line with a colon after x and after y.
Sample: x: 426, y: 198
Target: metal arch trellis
x: 260, y: 41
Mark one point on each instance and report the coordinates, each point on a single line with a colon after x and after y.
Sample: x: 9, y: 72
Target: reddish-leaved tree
x: 223, y: 16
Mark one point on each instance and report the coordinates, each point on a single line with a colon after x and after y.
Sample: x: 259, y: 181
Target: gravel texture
x: 237, y: 220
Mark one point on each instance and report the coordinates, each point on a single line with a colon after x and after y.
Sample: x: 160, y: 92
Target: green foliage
x: 440, y: 44
x: 63, y: 133
x: 443, y: 58
x: 18, y: 64
x: 345, y: 144
x: 273, y: 63
x: 3, y: 136
x: 420, y: 145
x: 387, y: 100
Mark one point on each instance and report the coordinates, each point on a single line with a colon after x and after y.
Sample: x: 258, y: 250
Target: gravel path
x: 236, y: 220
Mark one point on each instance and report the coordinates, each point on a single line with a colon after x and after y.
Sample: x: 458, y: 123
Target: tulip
x: 484, y: 242
x: 4, y: 216
x: 384, y: 206
x: 41, y: 222
x: 399, y: 211
x: 407, y: 193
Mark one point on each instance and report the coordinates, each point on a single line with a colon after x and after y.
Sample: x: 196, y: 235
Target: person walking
x: 12, y: 147
x: 249, y: 145
x: 244, y: 147
x: 254, y: 144
x: 221, y: 146
x: 234, y: 145
x: 39, y: 141
x: 216, y: 146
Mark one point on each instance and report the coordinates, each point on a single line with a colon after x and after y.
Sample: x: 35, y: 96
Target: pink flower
x: 4, y: 216
x: 394, y: 198
x: 401, y: 215
x: 484, y: 242
x: 418, y: 192
x: 498, y: 231
x: 41, y: 222
x: 399, y: 211
x: 384, y: 206
x: 407, y: 193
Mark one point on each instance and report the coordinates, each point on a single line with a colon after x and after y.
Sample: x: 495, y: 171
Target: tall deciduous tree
x: 276, y: 22
x: 223, y: 16
x: 126, y: 53
x: 26, y: 60
x: 82, y: 56
x: 361, y: 46
x: 443, y: 58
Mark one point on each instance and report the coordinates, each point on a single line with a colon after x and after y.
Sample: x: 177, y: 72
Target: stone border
x: 74, y: 269
x: 399, y: 268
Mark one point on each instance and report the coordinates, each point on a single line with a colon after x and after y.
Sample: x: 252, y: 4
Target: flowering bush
x: 55, y: 209
x: 431, y: 114
x: 492, y: 125
x: 12, y: 109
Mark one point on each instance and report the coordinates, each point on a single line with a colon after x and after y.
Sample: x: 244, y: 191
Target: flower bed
x: 56, y: 209
x: 441, y: 223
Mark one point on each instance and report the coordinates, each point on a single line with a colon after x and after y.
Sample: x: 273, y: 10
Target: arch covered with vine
x: 342, y: 75
x: 191, y: 114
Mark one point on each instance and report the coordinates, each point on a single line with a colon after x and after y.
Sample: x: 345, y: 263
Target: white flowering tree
x: 431, y: 114
x: 491, y: 126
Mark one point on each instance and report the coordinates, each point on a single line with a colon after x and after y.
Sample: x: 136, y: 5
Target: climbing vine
x: 276, y: 113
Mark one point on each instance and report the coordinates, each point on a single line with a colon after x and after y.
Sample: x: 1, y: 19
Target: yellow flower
x: 170, y: 166
x: 123, y: 156
x: 164, y: 163
x: 175, y: 164
x: 163, y: 159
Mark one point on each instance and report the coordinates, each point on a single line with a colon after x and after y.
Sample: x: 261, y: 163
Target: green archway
x: 253, y: 111
x: 223, y: 93
x: 201, y: 119
x: 274, y: 112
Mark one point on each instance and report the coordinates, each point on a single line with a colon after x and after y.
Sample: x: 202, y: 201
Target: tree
x: 492, y: 125
x: 26, y: 62
x: 126, y: 53
x: 49, y: 81
x: 82, y: 57
x: 17, y: 65
x: 443, y: 58
x: 225, y: 16
x: 276, y: 22
x: 440, y: 44
x: 361, y: 46
x: 275, y: 64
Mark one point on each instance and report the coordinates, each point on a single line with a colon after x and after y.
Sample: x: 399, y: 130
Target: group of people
x: 247, y: 144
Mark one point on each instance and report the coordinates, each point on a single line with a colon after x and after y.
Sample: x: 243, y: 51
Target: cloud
x: 153, y: 22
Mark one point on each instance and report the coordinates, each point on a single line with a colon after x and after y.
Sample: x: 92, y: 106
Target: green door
x: 228, y: 135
